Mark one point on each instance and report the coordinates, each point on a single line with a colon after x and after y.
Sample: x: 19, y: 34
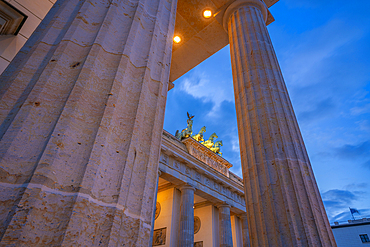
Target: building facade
x: 355, y: 233
x: 217, y: 205
x: 81, y: 111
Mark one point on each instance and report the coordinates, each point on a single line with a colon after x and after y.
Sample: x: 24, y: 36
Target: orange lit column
x: 81, y: 120
x: 284, y: 207
x: 186, y: 232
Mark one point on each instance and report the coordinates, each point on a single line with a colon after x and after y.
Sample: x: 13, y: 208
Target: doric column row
x: 81, y: 116
x: 226, y: 239
x: 186, y: 237
x: 284, y: 206
x: 186, y: 232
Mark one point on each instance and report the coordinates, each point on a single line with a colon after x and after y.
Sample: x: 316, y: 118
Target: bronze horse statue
x: 199, y: 137
x: 217, y: 147
x: 210, y: 142
x: 188, y: 131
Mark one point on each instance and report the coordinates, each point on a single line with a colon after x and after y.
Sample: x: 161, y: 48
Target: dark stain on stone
x: 60, y: 144
x: 37, y: 103
x: 76, y: 64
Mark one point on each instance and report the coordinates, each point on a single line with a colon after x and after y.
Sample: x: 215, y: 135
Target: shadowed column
x: 81, y: 118
x: 245, y: 231
x: 284, y: 206
x: 186, y: 233
x: 226, y: 237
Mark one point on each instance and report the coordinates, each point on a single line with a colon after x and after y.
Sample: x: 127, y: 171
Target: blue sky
x: 323, y: 48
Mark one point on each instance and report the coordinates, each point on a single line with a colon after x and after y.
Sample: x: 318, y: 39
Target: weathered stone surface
x: 186, y: 232
x: 245, y: 231
x: 204, y: 154
x: 226, y: 237
x: 81, y: 111
x: 284, y: 206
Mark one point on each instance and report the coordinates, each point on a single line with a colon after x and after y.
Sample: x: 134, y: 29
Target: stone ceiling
x: 201, y: 37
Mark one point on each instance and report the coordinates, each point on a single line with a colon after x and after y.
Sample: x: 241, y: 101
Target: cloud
x: 358, y: 110
x: 204, y: 86
x: 345, y: 215
x: 366, y: 164
x: 235, y: 144
x: 354, y: 186
x: 322, y: 109
x: 322, y: 68
x: 353, y: 151
x: 337, y: 201
x: 313, y: 47
x: 364, y: 125
x: 338, y: 197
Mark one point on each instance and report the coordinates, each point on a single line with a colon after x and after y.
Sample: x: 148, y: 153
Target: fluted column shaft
x: 81, y: 119
x: 284, y: 206
x: 245, y: 231
x: 226, y: 237
x: 186, y: 237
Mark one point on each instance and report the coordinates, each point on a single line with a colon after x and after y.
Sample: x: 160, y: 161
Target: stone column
x: 154, y: 209
x: 284, y: 206
x: 245, y: 231
x: 81, y: 116
x: 226, y: 237
x: 186, y: 233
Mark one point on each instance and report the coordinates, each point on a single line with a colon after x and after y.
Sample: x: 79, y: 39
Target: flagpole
x: 352, y: 213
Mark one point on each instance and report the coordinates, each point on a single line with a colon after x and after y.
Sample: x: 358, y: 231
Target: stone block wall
x: 35, y: 10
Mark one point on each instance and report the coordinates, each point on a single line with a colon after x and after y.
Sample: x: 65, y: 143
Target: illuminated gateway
x: 84, y: 160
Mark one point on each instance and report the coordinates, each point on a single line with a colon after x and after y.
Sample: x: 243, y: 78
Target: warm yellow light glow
x: 207, y: 13
x: 177, y: 39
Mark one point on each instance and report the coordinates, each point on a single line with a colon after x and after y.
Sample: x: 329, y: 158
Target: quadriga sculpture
x: 199, y: 137
x: 188, y: 131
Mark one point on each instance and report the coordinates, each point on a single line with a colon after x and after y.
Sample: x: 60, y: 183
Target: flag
x: 353, y: 210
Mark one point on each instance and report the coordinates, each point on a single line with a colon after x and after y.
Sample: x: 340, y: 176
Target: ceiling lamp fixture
x: 207, y: 13
x: 177, y: 39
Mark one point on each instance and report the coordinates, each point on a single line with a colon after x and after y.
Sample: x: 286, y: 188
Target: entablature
x: 179, y: 167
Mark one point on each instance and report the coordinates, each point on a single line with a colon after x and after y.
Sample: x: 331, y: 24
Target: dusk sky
x: 323, y: 47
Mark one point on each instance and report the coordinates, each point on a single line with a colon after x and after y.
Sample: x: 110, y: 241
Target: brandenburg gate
x: 82, y: 109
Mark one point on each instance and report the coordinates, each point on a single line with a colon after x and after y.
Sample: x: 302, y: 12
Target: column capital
x: 159, y: 172
x: 240, y: 3
x: 223, y: 205
x: 186, y: 187
x: 243, y: 216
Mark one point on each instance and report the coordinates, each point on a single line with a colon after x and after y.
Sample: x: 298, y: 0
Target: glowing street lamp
x: 177, y: 39
x: 207, y: 13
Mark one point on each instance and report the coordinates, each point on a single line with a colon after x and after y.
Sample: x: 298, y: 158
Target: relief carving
x: 187, y: 170
x: 157, y: 210
x: 197, y: 176
x: 198, y: 244
x: 164, y: 158
x: 200, y: 152
x: 196, y: 224
x: 159, y: 236
x: 177, y: 165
